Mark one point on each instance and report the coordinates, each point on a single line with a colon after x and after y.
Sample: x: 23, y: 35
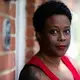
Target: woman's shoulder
x: 74, y: 63
x: 30, y: 73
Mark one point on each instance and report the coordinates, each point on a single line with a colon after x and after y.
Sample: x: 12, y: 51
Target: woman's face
x: 55, y: 38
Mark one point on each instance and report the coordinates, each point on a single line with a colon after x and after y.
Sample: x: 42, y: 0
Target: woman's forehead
x: 57, y: 20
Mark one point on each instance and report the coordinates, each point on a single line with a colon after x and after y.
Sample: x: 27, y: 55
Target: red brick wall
x: 7, y: 58
x: 30, y: 30
x: 31, y: 44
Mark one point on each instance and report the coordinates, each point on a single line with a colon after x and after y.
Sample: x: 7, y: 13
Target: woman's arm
x: 29, y: 73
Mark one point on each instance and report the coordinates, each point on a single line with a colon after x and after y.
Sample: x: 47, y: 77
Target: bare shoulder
x: 75, y: 64
x: 30, y: 73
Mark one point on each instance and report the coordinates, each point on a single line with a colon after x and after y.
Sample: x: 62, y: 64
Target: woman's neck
x: 50, y: 60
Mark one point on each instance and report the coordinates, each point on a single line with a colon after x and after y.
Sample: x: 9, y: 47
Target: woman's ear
x: 38, y: 36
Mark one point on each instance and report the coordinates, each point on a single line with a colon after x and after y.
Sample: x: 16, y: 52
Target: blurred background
x: 17, y: 36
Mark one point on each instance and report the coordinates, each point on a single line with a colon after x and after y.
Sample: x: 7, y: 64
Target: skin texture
x: 29, y: 73
x: 56, y: 32
x: 32, y: 73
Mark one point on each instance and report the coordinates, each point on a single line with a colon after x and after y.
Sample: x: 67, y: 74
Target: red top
x: 38, y: 62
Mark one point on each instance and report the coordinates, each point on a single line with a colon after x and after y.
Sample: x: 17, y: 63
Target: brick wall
x: 31, y: 44
x: 30, y: 30
x: 7, y: 57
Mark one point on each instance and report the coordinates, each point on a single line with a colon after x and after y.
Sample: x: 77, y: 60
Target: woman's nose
x: 62, y: 37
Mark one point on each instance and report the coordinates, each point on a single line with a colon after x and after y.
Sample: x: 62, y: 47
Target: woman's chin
x: 59, y: 53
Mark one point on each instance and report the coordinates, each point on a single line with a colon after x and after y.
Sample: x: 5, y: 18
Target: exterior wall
x: 30, y: 30
x: 32, y: 46
x: 7, y: 58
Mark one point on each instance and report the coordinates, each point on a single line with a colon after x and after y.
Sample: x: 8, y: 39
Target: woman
x: 52, y: 21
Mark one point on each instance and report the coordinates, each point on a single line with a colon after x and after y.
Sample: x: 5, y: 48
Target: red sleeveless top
x: 37, y: 62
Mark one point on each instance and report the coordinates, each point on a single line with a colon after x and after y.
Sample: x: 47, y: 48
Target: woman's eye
x: 67, y: 31
x: 53, y: 31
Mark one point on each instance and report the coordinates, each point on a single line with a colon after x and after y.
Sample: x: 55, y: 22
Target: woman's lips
x: 61, y: 47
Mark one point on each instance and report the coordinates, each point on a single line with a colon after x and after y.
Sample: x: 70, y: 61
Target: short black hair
x: 48, y: 9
